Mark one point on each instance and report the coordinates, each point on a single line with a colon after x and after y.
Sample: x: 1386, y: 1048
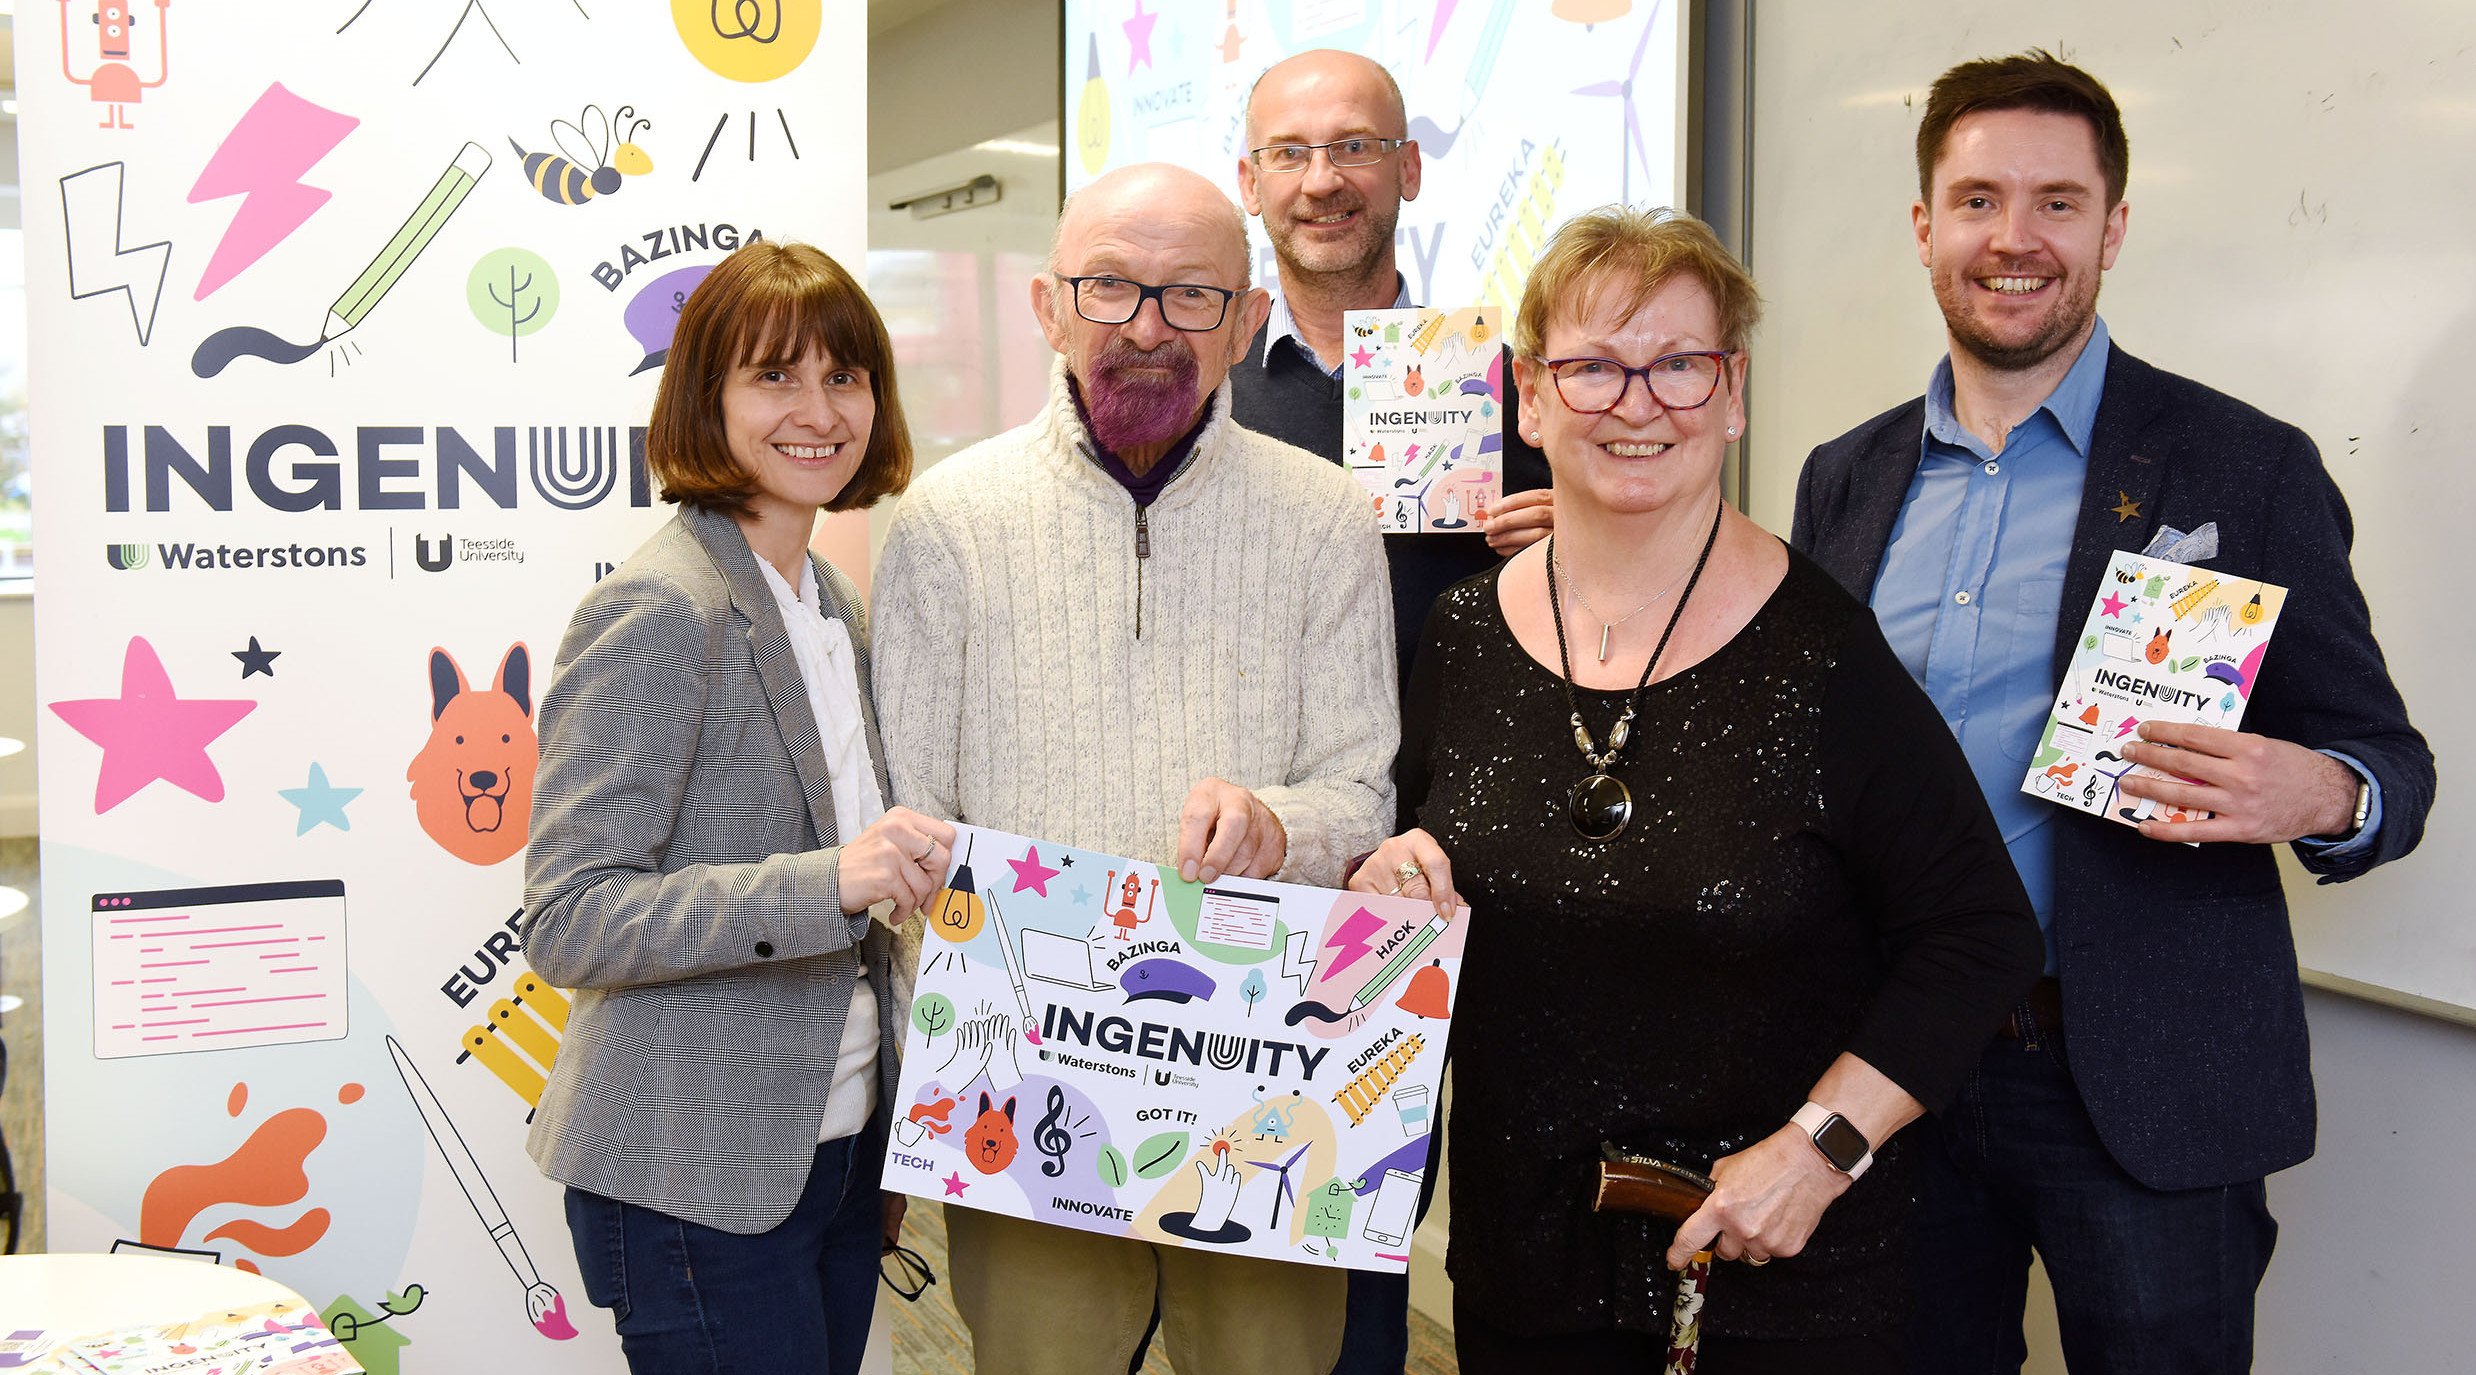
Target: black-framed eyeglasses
x: 905, y: 1271
x: 1362, y: 151
x: 1677, y: 381
x: 1190, y: 306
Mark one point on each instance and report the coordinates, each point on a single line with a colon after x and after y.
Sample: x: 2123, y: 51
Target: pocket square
x: 2175, y: 546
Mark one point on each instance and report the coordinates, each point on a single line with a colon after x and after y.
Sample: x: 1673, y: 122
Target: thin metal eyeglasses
x: 1677, y: 381
x: 1190, y: 306
x: 914, y: 1268
x: 1342, y: 152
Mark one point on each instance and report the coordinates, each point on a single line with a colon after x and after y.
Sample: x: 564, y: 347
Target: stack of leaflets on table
x: 284, y: 1337
x: 2163, y: 642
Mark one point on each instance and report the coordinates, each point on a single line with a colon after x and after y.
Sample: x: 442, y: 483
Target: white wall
x: 963, y: 72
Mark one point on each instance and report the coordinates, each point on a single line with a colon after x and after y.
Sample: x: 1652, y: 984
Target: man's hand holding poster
x: 1246, y: 1065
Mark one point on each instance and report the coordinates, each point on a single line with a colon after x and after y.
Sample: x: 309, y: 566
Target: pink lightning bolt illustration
x: 262, y: 160
x: 1353, y: 940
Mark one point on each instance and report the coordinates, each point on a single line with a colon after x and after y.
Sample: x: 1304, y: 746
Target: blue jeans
x: 2145, y: 1280
x: 693, y: 1300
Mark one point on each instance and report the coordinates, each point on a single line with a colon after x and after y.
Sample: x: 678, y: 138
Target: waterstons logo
x: 126, y: 556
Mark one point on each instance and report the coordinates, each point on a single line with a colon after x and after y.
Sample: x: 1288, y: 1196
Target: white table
x: 71, y: 1295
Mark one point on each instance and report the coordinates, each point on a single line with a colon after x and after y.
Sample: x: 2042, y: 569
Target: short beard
x: 1128, y: 412
x: 1346, y: 264
x: 2069, y: 320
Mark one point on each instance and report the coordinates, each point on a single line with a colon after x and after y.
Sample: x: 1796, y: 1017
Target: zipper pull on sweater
x: 1143, y: 551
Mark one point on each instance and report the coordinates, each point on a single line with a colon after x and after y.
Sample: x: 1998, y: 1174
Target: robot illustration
x: 1124, y: 917
x: 114, y: 83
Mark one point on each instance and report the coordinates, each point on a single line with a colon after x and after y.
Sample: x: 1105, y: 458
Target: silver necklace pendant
x: 1605, y: 628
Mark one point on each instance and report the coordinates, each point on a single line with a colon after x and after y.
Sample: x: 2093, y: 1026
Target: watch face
x: 1843, y: 1145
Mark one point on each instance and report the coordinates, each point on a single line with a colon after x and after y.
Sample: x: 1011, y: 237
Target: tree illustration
x: 513, y: 292
x: 1253, y: 989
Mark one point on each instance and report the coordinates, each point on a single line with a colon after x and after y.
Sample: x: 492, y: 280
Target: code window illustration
x: 247, y: 964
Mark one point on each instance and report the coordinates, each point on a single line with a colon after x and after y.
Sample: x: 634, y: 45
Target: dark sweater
x: 1810, y: 869
x: 1299, y: 403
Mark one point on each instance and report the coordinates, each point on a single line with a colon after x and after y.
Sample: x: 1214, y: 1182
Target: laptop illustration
x: 1057, y: 959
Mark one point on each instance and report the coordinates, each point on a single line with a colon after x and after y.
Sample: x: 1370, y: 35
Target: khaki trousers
x: 1043, y: 1300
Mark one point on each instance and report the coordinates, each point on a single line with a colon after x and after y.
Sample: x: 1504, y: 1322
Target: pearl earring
x: 1732, y: 432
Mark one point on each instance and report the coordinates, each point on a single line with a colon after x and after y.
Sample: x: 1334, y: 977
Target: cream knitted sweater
x: 1014, y: 691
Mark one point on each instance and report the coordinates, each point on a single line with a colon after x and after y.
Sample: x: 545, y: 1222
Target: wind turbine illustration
x: 1288, y: 1189
x: 1630, y: 127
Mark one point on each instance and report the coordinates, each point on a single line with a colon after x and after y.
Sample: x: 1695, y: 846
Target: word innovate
x: 376, y: 467
x: 1154, y: 1041
x: 2142, y: 687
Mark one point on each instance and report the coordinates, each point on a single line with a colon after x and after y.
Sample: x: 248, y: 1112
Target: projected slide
x: 1525, y: 112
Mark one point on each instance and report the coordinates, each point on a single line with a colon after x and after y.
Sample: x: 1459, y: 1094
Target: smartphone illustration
x: 1389, y: 1221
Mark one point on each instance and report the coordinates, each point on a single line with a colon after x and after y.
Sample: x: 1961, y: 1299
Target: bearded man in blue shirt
x: 2123, y: 1124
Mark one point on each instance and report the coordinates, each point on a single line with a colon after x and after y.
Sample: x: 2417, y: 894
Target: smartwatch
x: 1842, y: 1146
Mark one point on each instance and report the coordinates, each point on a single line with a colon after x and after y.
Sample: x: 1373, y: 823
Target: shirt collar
x: 2073, y: 403
x: 1279, y: 325
x: 790, y: 599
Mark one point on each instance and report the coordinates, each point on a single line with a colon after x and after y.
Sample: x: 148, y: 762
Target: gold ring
x: 1758, y: 1260
x: 922, y: 858
x: 1408, y: 871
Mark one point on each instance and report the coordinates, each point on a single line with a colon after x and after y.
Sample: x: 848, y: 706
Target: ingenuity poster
x: 1247, y: 1066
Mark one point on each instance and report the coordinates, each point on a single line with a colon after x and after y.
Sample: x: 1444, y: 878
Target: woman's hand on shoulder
x: 1769, y: 1197
x: 901, y: 857
x: 1410, y: 865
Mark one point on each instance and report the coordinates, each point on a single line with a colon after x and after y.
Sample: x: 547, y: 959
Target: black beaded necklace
x: 1601, y: 804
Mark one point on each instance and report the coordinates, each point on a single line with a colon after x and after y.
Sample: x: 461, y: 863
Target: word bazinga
x: 1156, y: 1041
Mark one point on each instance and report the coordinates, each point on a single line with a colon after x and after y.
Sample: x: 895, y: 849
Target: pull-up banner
x: 346, y: 319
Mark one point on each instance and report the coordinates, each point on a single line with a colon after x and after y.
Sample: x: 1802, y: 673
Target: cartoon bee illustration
x: 591, y: 166
x: 1364, y: 331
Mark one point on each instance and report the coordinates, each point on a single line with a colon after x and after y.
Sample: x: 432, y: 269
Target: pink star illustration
x: 1359, y: 356
x: 955, y: 1185
x: 1139, y: 38
x: 150, y: 732
x: 2113, y: 605
x: 1030, y: 873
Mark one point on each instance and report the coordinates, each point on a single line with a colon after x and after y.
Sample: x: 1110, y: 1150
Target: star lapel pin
x: 2125, y: 508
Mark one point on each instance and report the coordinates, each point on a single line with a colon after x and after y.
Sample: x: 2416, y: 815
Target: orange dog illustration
x: 473, y: 782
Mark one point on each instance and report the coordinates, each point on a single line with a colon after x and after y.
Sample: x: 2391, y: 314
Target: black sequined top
x: 1810, y: 869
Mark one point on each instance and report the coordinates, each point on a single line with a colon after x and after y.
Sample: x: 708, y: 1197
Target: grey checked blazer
x: 683, y: 880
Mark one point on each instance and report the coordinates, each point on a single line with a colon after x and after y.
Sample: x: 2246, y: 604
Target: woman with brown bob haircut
x: 709, y: 838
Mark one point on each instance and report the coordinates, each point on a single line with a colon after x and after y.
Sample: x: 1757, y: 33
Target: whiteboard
x: 1526, y: 113
x: 2302, y: 235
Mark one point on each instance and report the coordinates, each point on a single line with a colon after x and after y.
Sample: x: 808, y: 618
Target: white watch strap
x: 1810, y: 1119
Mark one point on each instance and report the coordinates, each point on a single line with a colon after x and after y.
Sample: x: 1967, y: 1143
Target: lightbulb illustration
x: 1092, y: 120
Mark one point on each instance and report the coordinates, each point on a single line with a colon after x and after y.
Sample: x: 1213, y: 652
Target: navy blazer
x: 2185, y: 1015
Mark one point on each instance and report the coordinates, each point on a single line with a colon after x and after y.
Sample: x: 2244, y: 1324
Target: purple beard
x: 1129, y: 411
